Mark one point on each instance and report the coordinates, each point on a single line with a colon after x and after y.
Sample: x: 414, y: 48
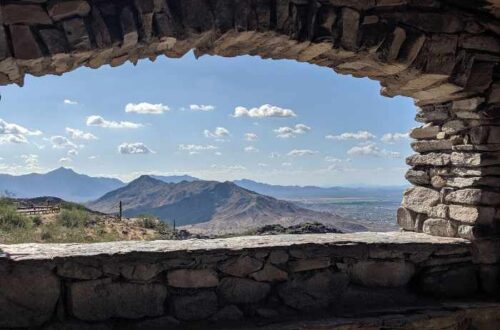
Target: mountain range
x: 209, y: 207
x: 69, y: 185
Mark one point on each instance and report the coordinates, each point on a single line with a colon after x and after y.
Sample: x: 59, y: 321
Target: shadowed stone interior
x: 237, y: 280
x: 444, y: 54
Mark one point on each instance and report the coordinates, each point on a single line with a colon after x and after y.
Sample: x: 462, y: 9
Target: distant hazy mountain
x: 290, y: 192
x: 174, y: 178
x: 208, y: 206
x: 62, y: 182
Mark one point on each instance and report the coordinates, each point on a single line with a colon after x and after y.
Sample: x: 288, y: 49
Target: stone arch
x: 444, y: 54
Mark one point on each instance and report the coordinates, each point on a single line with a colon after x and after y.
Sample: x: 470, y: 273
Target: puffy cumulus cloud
x: 263, y: 111
x: 218, y: 132
x: 288, y: 132
x: 251, y: 149
x: 193, y: 149
x: 14, y: 133
x: 70, y: 102
x: 360, y: 135
x: 330, y: 159
x: 202, y: 107
x: 61, y: 142
x: 301, y: 152
x: 394, y: 137
x: 65, y: 160
x: 137, y: 148
x: 76, y: 134
x: 101, y: 122
x: 251, y: 137
x: 145, y: 108
x: 370, y: 149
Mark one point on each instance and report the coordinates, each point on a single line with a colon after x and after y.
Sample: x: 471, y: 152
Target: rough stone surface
x: 192, y: 278
x: 199, y: 306
x: 382, y: 273
x: 241, y: 267
x: 242, y: 291
x: 100, y: 300
x: 458, y: 282
x: 440, y: 227
x: 420, y: 199
x: 28, y: 296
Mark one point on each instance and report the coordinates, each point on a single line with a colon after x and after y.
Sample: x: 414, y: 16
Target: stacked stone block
x: 456, y: 169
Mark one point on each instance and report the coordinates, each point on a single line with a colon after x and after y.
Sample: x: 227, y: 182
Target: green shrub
x: 10, y: 219
x: 74, y: 218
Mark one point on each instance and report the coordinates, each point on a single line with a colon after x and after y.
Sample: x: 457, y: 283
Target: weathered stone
x: 192, y: 278
x: 440, y: 227
x: 28, y: 296
x: 482, y: 43
x: 453, y: 127
x: 428, y: 131
x: 142, y: 272
x: 309, y: 264
x: 270, y: 273
x: 242, y: 291
x: 466, y: 232
x: 278, y: 257
x: 81, y: 271
x: 241, y: 267
x: 432, y: 145
x: 438, y: 182
x: 420, y: 199
x: 30, y: 14
x: 228, y: 313
x: 24, y: 42
x: 430, y: 159
x: 486, y: 251
x: 102, y: 299
x: 60, y: 10
x: 473, y: 197
x: 387, y: 274
x: 157, y: 323
x: 431, y: 116
x: 350, y: 27
x: 409, y: 220
x: 472, y: 215
x: 77, y: 34
x: 54, y: 40
x: 490, y: 279
x: 453, y: 282
x: 418, y: 177
x: 439, y: 211
x: 494, y: 93
x: 130, y: 36
x: 195, y: 307
x: 309, y: 292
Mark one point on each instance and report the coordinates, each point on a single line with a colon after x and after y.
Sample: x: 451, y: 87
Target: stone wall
x: 142, y: 285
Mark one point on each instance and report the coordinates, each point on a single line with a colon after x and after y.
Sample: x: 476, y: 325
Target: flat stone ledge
x: 386, y: 240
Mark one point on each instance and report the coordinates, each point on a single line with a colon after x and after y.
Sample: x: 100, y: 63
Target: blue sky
x: 281, y: 122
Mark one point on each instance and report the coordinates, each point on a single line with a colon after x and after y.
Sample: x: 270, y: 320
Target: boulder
x: 473, y: 197
x: 472, y: 214
x: 60, y: 10
x: 440, y: 227
x: 278, y: 257
x: 100, y: 300
x: 199, y: 306
x: 242, y: 291
x: 28, y: 296
x: 192, y: 278
x: 386, y: 274
x: 270, y: 273
x: 80, y: 271
x: 427, y: 131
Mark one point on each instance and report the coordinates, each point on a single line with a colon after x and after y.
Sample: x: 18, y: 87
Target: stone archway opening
x: 443, y: 55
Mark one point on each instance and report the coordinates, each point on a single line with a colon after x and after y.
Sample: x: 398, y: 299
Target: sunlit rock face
x: 242, y: 280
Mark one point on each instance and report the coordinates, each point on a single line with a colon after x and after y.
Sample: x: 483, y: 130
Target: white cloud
x: 92, y: 157
x: 251, y: 149
x: 193, y: 149
x: 394, y: 137
x: 146, y: 108
x: 101, y: 122
x: 288, y: 132
x: 31, y: 161
x: 286, y: 164
x: 251, y: 137
x: 370, y: 149
x: 301, y: 152
x: 137, y: 148
x: 76, y: 134
x: 65, y: 160
x: 61, y: 142
x: 263, y: 111
x: 332, y: 159
x: 73, y: 152
x: 219, y: 132
x: 360, y: 135
x: 202, y: 107
x: 70, y: 102
x: 14, y: 133
x: 262, y: 165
